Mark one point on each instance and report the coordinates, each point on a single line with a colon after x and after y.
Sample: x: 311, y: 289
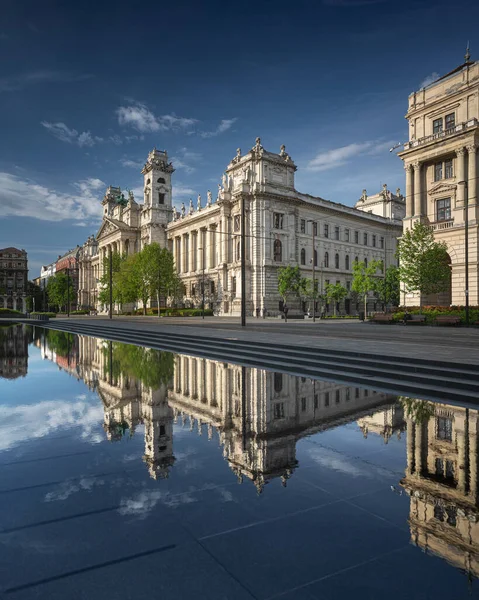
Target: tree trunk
x: 365, y: 306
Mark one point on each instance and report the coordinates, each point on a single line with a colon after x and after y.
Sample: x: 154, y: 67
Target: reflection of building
x: 441, y: 479
x: 384, y: 423
x: 440, y: 160
x: 13, y: 278
x: 13, y: 351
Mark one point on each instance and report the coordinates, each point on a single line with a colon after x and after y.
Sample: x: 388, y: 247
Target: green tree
x: 335, y: 292
x: 289, y: 282
x: 59, y: 291
x: 419, y: 411
x: 117, y: 260
x: 152, y: 367
x: 387, y: 288
x: 423, y: 262
x: 365, y: 279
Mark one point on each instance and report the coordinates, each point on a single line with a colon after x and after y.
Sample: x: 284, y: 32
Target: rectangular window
x: 444, y: 429
x: 437, y: 125
x: 338, y: 396
x: 450, y: 120
x: 348, y: 394
x: 303, y: 226
x: 315, y: 228
x: 356, y: 237
x: 374, y: 241
x: 381, y: 242
x: 348, y: 286
x: 356, y: 393
x: 316, y: 402
x: 326, y: 230
x: 438, y: 171
x: 336, y: 233
x: 448, y: 172
x: 326, y: 283
x: 303, y: 404
x: 279, y: 410
x: 278, y: 220
x: 346, y: 235
x: 326, y: 399
x: 365, y: 239
x: 236, y: 223
x: 443, y: 209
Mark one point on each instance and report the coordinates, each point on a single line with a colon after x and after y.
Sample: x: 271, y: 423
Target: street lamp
x: 314, y: 225
x: 203, y: 283
x: 466, y: 246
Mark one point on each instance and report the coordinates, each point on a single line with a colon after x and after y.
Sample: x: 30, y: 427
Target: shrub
x: 5, y: 312
x: 50, y: 315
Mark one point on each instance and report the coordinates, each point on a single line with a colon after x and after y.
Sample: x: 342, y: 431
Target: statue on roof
x: 198, y: 203
x: 223, y: 180
x: 121, y: 200
x: 183, y: 209
x: 209, y: 198
x: 192, y: 208
x: 364, y: 196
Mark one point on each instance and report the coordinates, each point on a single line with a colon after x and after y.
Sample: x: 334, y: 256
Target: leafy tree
x: 117, y: 261
x: 335, y: 292
x: 59, y: 292
x: 365, y: 279
x: 289, y: 281
x: 423, y: 262
x: 387, y: 288
x: 152, y: 367
x: 417, y: 410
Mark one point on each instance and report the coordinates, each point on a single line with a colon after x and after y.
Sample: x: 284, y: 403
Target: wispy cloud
x: 429, y: 79
x: 186, y: 159
x: 71, y: 136
x: 21, y: 197
x: 224, y: 125
x: 338, y: 157
x: 18, y: 82
x: 138, y: 116
x: 133, y: 164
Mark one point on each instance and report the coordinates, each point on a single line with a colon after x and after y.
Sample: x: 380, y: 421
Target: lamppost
x: 203, y: 283
x: 313, y: 260
x: 466, y: 246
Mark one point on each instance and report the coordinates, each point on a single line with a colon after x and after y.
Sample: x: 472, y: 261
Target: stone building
x: 442, y: 482
x: 13, y: 278
x: 440, y: 160
x: 13, y: 351
x: 68, y: 263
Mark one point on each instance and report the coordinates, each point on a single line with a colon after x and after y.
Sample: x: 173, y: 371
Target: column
x: 473, y: 458
x: 220, y: 243
x: 460, y: 153
x: 191, y: 252
x: 185, y: 253
x: 418, y: 454
x: 417, y: 198
x: 471, y: 176
x: 179, y: 266
x: 461, y: 462
x: 410, y: 446
x: 212, y: 253
x: 409, y: 191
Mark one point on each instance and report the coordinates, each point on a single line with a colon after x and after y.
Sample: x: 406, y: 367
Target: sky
x: 87, y: 89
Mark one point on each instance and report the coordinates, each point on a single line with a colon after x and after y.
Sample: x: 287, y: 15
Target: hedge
x: 5, y: 312
x: 175, y: 312
x: 50, y: 315
x: 431, y: 312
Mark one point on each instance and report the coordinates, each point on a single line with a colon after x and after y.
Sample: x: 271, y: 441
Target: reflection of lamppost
x: 466, y: 246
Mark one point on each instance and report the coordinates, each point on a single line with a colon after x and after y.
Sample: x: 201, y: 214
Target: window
x: 346, y: 262
x: 348, y: 394
x: 438, y: 171
x: 444, y: 429
x: 315, y: 228
x: 356, y: 393
x: 449, y: 469
x: 326, y: 282
x: 212, y: 287
x: 303, y: 226
x: 278, y: 251
x: 233, y: 285
x: 161, y: 198
x: 279, y: 410
x: 278, y: 382
x: 437, y: 125
x: 374, y: 241
x: 366, y: 393
x: 338, y: 396
x: 238, y: 251
x: 278, y: 220
x: 450, y: 120
x: 236, y: 223
x: 326, y: 230
x: 315, y: 258
x: 326, y: 399
x: 448, y: 172
x: 346, y: 235
x: 336, y: 261
x: 161, y: 180
x: 326, y: 259
x: 162, y: 430
x: 365, y: 239
x: 348, y: 286
x: 356, y: 237
x: 336, y: 233
x: 365, y: 262
x: 443, y: 209
x: 303, y: 256
x: 381, y: 242
x: 356, y: 260
x: 316, y: 401
x: 303, y: 404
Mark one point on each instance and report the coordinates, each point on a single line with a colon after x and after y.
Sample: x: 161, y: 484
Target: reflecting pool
x: 133, y: 473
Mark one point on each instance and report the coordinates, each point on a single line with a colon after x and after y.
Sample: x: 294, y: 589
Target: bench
x: 447, y: 320
x: 415, y: 319
x: 382, y: 318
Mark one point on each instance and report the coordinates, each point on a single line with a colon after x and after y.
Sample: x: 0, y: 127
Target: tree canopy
x: 335, y: 292
x: 60, y: 291
x: 289, y: 281
x: 365, y: 279
x: 387, y: 287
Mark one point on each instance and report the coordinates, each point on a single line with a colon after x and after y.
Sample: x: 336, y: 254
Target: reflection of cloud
x: 144, y: 502
x: 337, y: 462
x: 32, y: 421
x: 68, y: 488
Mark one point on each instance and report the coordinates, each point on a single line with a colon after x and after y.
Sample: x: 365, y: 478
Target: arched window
x: 278, y: 382
x: 346, y: 262
x: 365, y: 262
x: 278, y: 251
x: 161, y: 180
x: 161, y: 198
x: 336, y: 261
x: 356, y: 260
x: 326, y: 259
x: 315, y: 258
x: 303, y: 256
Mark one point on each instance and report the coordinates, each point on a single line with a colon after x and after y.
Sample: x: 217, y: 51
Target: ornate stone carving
x: 408, y: 168
x: 471, y: 148
x: 198, y: 203
x: 237, y: 158
x: 416, y: 165
x: 460, y: 152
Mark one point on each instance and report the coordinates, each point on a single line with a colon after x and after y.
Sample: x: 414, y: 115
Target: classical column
x: 191, y: 252
x: 473, y: 459
x: 212, y: 253
x: 460, y: 153
x: 409, y: 192
x: 418, y: 453
x: 417, y: 198
x: 410, y: 446
x: 471, y: 176
x: 178, y: 254
x: 461, y: 463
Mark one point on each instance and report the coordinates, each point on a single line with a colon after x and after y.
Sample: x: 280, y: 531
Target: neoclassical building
x: 13, y: 278
x: 440, y: 160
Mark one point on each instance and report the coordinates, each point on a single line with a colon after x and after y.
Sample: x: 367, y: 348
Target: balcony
x: 459, y: 128
x: 442, y: 225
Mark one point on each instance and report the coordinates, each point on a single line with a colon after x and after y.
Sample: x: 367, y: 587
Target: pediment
x: 106, y: 228
x: 443, y: 189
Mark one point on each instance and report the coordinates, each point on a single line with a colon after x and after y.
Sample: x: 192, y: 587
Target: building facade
x: 13, y: 279
x: 440, y: 160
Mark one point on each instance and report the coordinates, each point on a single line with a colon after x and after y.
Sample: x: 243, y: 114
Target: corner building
x: 440, y: 160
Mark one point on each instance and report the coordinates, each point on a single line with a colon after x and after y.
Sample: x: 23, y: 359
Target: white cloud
x: 19, y: 82
x: 31, y: 421
x: 71, y: 136
x: 224, y: 125
x: 116, y: 139
x: 429, y: 79
x: 338, y: 157
x: 141, y: 118
x: 181, y: 192
x: 134, y: 164
x: 184, y: 158
x: 26, y: 198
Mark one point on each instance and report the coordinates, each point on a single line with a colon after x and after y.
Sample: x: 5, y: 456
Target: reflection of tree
x: 419, y: 411
x: 151, y: 367
x: 60, y: 342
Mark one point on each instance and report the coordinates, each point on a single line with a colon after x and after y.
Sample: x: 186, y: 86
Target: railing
x: 442, y: 134
x: 441, y: 225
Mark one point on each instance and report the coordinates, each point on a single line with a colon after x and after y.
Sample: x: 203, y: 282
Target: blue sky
x: 87, y: 89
